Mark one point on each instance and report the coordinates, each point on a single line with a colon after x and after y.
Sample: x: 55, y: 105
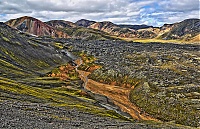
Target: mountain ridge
x: 186, y: 30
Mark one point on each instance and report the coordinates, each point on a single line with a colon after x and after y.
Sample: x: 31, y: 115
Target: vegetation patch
x: 165, y: 104
x: 88, y: 62
x: 65, y: 72
x: 5, y: 39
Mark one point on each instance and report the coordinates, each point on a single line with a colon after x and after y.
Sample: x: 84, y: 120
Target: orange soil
x: 119, y: 95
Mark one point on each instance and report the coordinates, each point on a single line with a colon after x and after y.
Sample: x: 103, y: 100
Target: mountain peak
x: 61, y: 24
x: 26, y: 17
x: 84, y: 22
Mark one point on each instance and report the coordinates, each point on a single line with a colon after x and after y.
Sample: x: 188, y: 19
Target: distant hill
x: 35, y: 26
x: 84, y: 23
x: 115, y: 30
x: 135, y: 27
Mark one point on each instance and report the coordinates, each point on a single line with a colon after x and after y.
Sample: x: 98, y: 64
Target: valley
x: 91, y: 74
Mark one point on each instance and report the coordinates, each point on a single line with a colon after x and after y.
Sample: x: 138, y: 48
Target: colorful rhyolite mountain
x: 35, y: 27
x: 187, y: 30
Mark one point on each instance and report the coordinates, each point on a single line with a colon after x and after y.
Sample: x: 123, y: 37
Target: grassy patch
x: 59, y: 45
x: 154, y: 40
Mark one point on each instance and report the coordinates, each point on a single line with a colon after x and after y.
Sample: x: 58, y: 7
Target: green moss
x: 59, y: 45
x: 55, y: 70
x: 5, y: 39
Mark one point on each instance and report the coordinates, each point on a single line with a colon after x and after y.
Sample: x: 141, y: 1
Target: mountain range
x: 187, y: 30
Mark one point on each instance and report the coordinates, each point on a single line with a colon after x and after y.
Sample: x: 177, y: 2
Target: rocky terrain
x: 17, y: 114
x: 26, y: 89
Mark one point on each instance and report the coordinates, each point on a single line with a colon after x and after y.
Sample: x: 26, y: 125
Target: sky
x: 149, y: 12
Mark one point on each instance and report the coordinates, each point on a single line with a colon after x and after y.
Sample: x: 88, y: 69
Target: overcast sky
x: 150, y: 12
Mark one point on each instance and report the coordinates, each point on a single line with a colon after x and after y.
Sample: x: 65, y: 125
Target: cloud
x: 69, y: 5
x: 151, y: 12
x: 181, y: 6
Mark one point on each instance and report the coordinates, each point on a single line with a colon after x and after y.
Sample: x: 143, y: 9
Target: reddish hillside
x: 34, y: 26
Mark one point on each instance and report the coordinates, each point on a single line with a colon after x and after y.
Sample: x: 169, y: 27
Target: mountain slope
x: 25, y: 55
x: 185, y: 30
x: 34, y: 26
x: 27, y: 95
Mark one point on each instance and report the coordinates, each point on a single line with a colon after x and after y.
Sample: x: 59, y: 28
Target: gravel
x: 26, y: 115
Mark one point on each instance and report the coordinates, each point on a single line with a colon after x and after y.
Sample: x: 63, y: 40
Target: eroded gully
x: 118, y: 96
